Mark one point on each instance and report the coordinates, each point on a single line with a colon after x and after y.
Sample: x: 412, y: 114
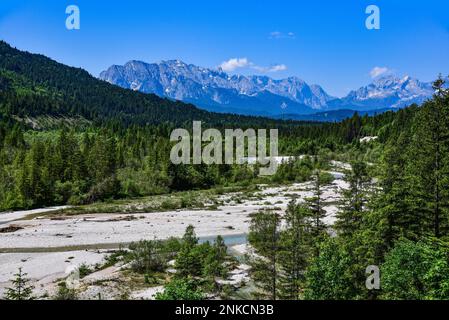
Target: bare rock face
x: 215, y: 90
x: 388, y: 92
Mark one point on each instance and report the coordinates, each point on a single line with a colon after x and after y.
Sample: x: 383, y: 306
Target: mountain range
x: 218, y: 91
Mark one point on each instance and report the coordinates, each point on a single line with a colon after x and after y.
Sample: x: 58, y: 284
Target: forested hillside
x: 66, y: 137
x: 33, y: 85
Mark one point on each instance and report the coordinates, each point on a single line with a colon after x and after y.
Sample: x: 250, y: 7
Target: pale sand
x: 104, y: 229
x: 93, y: 229
x: 44, y: 268
x: 7, y: 217
x: 147, y: 294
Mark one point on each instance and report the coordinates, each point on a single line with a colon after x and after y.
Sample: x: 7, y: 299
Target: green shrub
x: 152, y: 256
x: 65, y: 293
x: 415, y: 271
x: 181, y: 289
x: 84, y: 270
x: 106, y: 189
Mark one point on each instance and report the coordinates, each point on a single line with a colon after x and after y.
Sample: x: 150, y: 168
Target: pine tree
x: 189, y: 239
x: 21, y: 289
x: 187, y: 261
x: 393, y: 206
x: 349, y: 217
x: 264, y: 237
x: 317, y: 214
x: 295, y: 251
x: 214, y: 261
x: 428, y: 167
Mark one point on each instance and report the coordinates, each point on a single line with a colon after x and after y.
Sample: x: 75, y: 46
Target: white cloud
x: 278, y: 67
x: 275, y: 35
x: 378, y: 71
x: 281, y: 35
x: 234, y: 63
x: 274, y: 68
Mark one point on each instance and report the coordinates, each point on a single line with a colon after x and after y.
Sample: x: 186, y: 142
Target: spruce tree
x: 317, y: 214
x: 428, y: 167
x: 295, y: 251
x: 187, y: 261
x: 394, y: 203
x: 21, y: 289
x: 264, y: 237
x: 349, y: 217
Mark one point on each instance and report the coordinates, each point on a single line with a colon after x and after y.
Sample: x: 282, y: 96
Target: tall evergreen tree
x: 349, y: 217
x: 295, y: 251
x: 317, y: 214
x: 429, y: 164
x: 394, y: 202
x: 264, y: 237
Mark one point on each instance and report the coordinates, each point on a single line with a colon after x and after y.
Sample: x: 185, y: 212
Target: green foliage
x: 329, y: 274
x: 325, y: 178
x: 84, y: 270
x: 200, y: 260
x: 416, y: 271
x: 152, y: 256
x: 189, y: 239
x: 65, y: 293
x: 429, y: 171
x: 214, y: 261
x: 181, y: 289
x: 316, y: 210
x: 188, y: 261
x: 299, y: 170
x: 264, y: 236
x: 294, y: 252
x: 21, y: 289
x: 349, y: 218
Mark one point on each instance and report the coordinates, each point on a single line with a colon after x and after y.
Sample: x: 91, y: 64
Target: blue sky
x: 323, y: 42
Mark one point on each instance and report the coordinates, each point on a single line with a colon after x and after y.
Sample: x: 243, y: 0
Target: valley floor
x: 47, y: 246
